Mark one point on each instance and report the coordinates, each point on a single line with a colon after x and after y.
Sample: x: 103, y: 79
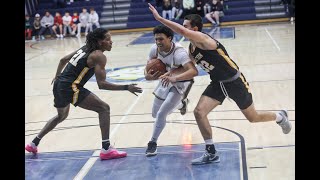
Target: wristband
x: 126, y: 87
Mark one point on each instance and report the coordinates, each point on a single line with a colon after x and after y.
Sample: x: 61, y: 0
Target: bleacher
x: 76, y: 6
x: 128, y: 14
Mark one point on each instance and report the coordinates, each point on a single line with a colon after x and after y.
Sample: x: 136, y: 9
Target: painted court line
x: 85, y: 169
x: 274, y: 42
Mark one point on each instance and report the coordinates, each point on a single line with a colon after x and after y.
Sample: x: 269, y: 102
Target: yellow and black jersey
x: 215, y: 62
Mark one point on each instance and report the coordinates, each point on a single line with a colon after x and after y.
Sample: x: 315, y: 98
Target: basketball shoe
x: 152, y: 149
x: 111, y: 153
x: 31, y: 148
x: 206, y: 158
x: 285, y: 123
x: 184, y: 108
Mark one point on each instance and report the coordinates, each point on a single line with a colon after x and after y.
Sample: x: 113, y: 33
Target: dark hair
x: 163, y: 29
x: 195, y: 20
x: 93, y: 38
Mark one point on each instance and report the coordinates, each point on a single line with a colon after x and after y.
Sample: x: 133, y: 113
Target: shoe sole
x: 151, y: 154
x: 113, y: 157
x: 217, y: 160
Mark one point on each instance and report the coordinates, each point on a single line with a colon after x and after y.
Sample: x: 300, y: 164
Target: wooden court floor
x: 265, y: 54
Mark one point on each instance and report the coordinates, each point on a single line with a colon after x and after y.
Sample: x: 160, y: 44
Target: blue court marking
x: 172, y: 162
x: 132, y: 74
x: 54, y: 166
x: 217, y: 33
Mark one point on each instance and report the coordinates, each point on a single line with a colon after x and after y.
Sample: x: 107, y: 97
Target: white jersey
x: 176, y: 57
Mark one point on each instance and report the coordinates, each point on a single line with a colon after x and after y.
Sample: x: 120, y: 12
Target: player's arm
x: 152, y: 55
x: 100, y: 61
x: 62, y: 63
x: 195, y: 36
x: 190, y: 71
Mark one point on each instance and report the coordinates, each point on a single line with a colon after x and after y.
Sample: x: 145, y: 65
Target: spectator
x: 199, y: 7
x: 57, y: 23
x: 74, y: 22
x: 36, y: 27
x: 66, y: 20
x: 46, y: 23
x: 93, y: 19
x: 167, y: 9
x: 84, y: 22
x: 292, y: 9
x: 207, y: 7
x: 177, y: 10
x: 216, y: 12
x: 27, y: 29
x: 188, y: 6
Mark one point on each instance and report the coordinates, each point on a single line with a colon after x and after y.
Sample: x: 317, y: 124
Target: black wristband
x: 126, y: 87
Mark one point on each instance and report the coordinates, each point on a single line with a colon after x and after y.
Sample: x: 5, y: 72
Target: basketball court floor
x: 265, y: 54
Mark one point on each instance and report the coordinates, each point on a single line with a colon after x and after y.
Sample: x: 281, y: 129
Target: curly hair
x: 163, y: 29
x: 93, y: 38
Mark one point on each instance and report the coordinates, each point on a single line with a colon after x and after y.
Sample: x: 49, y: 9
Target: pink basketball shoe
x: 31, y: 148
x: 111, y: 153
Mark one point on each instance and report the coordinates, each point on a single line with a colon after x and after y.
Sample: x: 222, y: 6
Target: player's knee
x: 105, y: 108
x: 198, y: 114
x: 252, y: 119
x: 62, y: 116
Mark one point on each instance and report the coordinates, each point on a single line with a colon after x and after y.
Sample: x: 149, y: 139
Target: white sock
x: 208, y: 141
x: 278, y: 117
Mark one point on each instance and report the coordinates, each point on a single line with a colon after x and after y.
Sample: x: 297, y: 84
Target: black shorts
x: 66, y: 93
x: 238, y: 90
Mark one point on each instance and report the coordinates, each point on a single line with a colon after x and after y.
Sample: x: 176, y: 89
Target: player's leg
x: 239, y: 91
x: 51, y: 124
x: 92, y: 102
x: 166, y: 107
x: 204, y: 107
x: 211, y: 98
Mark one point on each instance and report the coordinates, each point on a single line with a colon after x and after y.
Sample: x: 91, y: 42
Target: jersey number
x: 75, y: 58
x: 206, y: 66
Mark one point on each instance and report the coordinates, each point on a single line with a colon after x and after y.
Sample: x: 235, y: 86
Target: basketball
x: 156, y: 65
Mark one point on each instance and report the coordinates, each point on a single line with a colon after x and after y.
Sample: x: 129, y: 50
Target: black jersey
x: 77, y: 71
x: 215, y: 62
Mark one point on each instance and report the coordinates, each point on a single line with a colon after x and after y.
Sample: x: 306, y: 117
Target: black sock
x: 210, y: 148
x: 105, y: 145
x: 36, y: 140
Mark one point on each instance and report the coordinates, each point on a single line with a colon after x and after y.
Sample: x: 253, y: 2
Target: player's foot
x: 31, y: 148
x: 111, y: 153
x: 285, y: 123
x: 152, y: 149
x: 184, y: 108
x: 206, y: 158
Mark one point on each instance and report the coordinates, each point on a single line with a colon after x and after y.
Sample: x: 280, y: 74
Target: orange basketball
x: 156, y: 65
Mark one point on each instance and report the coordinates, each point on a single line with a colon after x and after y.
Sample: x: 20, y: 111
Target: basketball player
x: 68, y: 88
x: 226, y: 81
x: 173, y: 87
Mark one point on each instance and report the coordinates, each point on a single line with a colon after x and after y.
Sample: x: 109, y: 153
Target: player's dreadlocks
x: 93, y: 38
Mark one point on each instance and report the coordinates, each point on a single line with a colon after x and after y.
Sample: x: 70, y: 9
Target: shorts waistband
x: 232, y: 78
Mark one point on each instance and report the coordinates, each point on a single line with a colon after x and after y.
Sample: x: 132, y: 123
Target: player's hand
x: 134, y: 89
x: 165, y: 80
x: 154, y: 76
x: 154, y: 12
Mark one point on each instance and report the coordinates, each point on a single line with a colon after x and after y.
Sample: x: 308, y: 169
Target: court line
x: 134, y: 122
x: 130, y: 155
x: 274, y: 42
x: 85, y: 169
x: 143, y: 114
